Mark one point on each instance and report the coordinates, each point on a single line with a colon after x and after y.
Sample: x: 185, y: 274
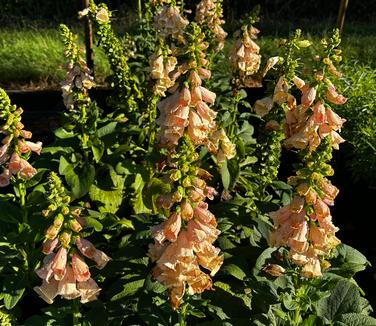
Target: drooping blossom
x: 169, y: 22
x: 161, y: 72
x: 209, y: 13
x: 245, y: 57
x: 64, y: 271
x: 15, y: 147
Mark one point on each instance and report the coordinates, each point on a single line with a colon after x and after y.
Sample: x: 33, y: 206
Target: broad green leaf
x: 225, y: 175
x: 63, y: 133
x: 344, y: 298
x: 107, y: 129
x: 353, y: 319
x: 235, y: 271
x: 9, y: 213
x: 129, y: 289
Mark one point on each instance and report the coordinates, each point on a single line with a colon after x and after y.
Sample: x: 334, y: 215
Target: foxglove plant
x: 209, y: 15
x: 305, y: 225
x: 16, y: 148
x: 64, y: 270
x: 184, y: 241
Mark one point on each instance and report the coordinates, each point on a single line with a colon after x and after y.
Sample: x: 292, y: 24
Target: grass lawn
x: 34, y: 59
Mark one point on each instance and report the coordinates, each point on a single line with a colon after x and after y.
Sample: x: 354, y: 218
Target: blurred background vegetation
x: 31, y: 53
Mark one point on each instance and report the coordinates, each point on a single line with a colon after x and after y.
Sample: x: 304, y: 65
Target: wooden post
x: 341, y: 14
x: 88, y: 38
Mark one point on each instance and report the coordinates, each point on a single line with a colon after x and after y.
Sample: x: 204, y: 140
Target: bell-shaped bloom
x: 102, y: 16
x: 169, y: 22
x: 262, y: 107
x: 49, y: 245
x: 5, y: 178
x: 27, y: 171
x: 59, y: 264
x: 168, y: 230
x: 311, y: 269
x: 308, y: 95
x: 89, y: 290
x: 67, y: 287
x: 47, y: 291
x: 35, y: 147
x: 14, y: 164
x: 80, y: 268
x: 333, y: 96
x: 89, y: 251
x: 46, y: 271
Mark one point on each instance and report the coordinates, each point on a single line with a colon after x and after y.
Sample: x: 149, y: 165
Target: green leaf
x: 79, y: 178
x: 235, y: 271
x: 107, y: 129
x: 349, y: 261
x: 63, y: 133
x: 137, y: 200
x: 13, y: 290
x: 353, y: 319
x: 9, y: 213
x: 344, y: 298
x: 129, y: 289
x: 152, y: 190
x: 225, y: 175
x: 108, y: 191
x: 94, y: 223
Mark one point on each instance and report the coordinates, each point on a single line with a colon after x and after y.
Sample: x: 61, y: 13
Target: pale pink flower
x: 169, y: 229
x: 49, y: 245
x: 67, y: 286
x: 89, y: 290
x: 89, y: 251
x: 14, y: 164
x: 35, y: 147
x: 27, y: 171
x: 46, y: 271
x: 59, y: 264
x: 4, y: 178
x: 102, y: 16
x: 47, y: 291
x: 308, y: 95
x: 80, y: 268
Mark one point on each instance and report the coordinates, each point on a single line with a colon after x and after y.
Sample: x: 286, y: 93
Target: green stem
x: 139, y: 10
x: 76, y: 316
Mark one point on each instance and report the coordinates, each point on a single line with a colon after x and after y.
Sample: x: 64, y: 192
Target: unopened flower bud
x: 65, y: 210
x: 186, y: 210
x: 58, y: 221
x: 187, y: 182
x: 75, y: 225
x: 177, y: 197
x: 52, y: 207
x: 52, y: 232
x: 66, y: 199
x: 175, y: 176
x: 45, y: 213
x: 65, y: 239
x: 274, y: 270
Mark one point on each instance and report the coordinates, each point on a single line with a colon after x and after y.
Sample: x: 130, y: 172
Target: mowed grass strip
x: 35, y: 58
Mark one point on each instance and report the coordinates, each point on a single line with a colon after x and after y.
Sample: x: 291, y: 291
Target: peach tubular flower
x: 308, y: 95
x: 26, y: 171
x: 89, y: 290
x: 67, y: 286
x: 88, y: 250
x: 59, y: 264
x: 262, y: 107
x: 80, y: 268
x: 102, y: 16
x: 46, y: 271
x: 4, y: 178
x: 47, y: 291
x: 35, y: 147
x: 168, y: 230
x: 14, y: 164
x: 49, y: 245
x: 4, y: 150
